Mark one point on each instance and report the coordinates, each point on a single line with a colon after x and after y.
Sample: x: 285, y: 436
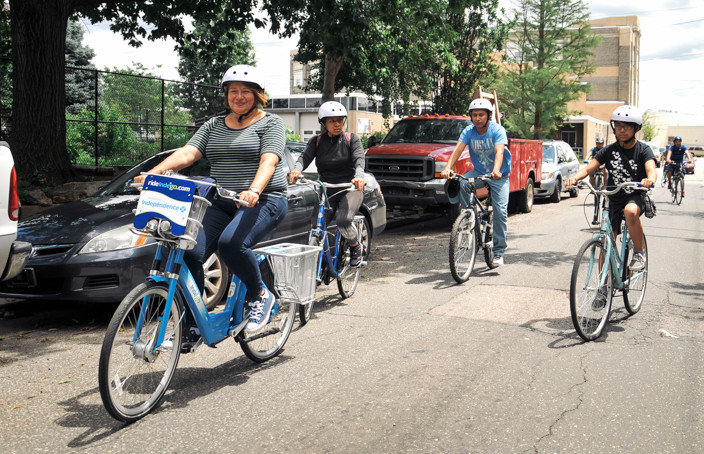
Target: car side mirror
x: 371, y: 141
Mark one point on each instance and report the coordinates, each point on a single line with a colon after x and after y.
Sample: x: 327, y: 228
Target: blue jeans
x: 232, y: 232
x: 499, y: 201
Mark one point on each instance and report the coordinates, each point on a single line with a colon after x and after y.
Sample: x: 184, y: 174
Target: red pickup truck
x: 408, y: 161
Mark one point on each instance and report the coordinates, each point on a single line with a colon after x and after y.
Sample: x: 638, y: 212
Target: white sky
x: 672, y: 52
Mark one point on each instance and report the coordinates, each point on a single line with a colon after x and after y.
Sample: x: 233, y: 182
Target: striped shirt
x: 234, y: 154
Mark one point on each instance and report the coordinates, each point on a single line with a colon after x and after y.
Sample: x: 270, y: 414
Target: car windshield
x: 427, y: 131
x: 548, y: 153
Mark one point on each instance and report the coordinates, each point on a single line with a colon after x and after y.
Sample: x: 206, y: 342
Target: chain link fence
x: 117, y: 119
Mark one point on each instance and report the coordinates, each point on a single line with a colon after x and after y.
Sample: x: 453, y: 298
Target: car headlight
x: 547, y: 175
x: 114, y: 240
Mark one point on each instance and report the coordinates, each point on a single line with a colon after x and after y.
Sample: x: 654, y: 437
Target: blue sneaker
x: 260, y: 309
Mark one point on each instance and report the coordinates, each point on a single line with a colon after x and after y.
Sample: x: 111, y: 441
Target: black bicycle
x: 677, y: 187
x: 470, y: 231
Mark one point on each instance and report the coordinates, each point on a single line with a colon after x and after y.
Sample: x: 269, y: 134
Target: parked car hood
x: 435, y: 150
x: 78, y: 222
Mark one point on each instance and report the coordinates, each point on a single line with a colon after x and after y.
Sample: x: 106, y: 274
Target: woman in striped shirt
x: 245, y: 149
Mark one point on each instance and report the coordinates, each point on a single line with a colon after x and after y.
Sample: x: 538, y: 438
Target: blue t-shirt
x: 481, y: 147
x: 677, y: 153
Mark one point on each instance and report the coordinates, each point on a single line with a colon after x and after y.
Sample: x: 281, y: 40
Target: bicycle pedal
x: 190, y: 347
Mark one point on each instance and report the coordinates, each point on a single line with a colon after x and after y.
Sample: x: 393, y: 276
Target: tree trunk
x: 332, y: 67
x: 38, y: 135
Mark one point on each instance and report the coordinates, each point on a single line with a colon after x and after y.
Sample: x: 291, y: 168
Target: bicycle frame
x: 213, y: 326
x: 321, y: 231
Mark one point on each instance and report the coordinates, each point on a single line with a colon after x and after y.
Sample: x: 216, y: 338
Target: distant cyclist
x: 626, y: 160
x: 488, y: 151
x: 675, y: 157
x: 339, y: 157
x: 590, y: 156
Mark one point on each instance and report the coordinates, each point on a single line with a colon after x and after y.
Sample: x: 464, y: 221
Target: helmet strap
x: 245, y: 115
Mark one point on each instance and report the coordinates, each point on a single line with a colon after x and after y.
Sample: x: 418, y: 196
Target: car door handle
x: 295, y: 199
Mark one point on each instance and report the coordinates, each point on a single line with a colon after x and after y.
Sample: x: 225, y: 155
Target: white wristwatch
x: 254, y: 189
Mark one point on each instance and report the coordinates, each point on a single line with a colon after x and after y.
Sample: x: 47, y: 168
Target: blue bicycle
x: 334, y: 262
x: 166, y: 315
x: 600, y: 269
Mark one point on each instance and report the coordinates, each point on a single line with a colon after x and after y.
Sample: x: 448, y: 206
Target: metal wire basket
x: 295, y: 268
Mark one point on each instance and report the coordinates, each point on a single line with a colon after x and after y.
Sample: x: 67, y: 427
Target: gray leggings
x: 345, y: 206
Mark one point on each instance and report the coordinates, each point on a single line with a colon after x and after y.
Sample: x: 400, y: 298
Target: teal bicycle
x: 166, y: 315
x: 601, y: 269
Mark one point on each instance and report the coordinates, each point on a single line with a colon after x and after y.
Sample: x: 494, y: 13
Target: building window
x: 314, y: 102
x: 297, y: 103
x: 281, y: 103
x: 298, y: 78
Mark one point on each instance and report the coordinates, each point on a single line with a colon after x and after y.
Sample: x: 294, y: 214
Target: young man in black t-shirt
x: 626, y: 160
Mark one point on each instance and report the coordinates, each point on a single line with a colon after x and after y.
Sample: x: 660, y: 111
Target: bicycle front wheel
x: 634, y: 281
x: 590, y: 300
x: 347, y: 277
x: 463, y: 246
x: 677, y: 188
x: 132, y: 377
x: 305, y: 311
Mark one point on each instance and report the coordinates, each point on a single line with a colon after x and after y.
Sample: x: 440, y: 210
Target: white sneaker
x: 498, y: 261
x: 637, y: 262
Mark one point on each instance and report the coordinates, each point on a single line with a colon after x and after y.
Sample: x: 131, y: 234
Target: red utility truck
x: 408, y: 161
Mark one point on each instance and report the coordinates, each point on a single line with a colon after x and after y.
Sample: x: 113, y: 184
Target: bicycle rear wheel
x: 132, y: 379
x: 589, y: 312
x: 677, y: 188
x: 634, y: 281
x: 463, y: 246
x: 305, y: 311
x: 347, y: 277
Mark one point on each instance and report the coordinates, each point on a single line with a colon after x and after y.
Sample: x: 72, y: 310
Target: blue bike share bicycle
x: 334, y: 262
x: 166, y: 315
x: 600, y: 270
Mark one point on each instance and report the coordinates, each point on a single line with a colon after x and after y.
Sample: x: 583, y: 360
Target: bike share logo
x: 168, y: 186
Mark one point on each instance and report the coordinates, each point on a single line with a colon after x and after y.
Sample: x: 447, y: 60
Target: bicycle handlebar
x: 348, y: 186
x: 485, y: 177
x: 627, y: 184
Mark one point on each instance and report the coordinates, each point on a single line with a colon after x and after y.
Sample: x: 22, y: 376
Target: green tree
x: 551, y: 51
x: 5, y: 68
x: 38, y: 29
x: 204, y: 56
x: 80, y: 84
x: 648, y: 129
x: 387, y: 47
x: 475, y: 33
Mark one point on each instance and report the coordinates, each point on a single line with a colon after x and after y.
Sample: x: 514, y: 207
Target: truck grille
x: 407, y: 168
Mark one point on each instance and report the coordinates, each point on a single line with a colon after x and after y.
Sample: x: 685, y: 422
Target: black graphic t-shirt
x: 623, y: 164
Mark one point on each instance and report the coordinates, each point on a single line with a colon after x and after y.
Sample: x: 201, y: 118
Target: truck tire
x: 556, y: 196
x: 525, y: 202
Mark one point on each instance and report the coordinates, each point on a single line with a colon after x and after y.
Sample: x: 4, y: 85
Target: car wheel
x: 556, y: 196
x: 217, y: 278
x: 366, y: 237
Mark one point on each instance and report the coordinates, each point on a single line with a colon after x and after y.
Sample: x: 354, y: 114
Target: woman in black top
x: 339, y: 157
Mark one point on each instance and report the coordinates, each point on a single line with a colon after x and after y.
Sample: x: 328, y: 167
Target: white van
x: 13, y: 254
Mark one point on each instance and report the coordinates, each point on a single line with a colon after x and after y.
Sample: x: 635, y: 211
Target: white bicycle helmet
x: 481, y: 103
x: 628, y: 114
x: 331, y: 109
x: 243, y: 73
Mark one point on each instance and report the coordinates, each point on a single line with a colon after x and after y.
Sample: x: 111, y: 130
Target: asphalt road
x: 411, y: 363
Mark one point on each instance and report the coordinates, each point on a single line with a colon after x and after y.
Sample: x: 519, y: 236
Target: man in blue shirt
x: 675, y: 158
x: 489, y: 154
